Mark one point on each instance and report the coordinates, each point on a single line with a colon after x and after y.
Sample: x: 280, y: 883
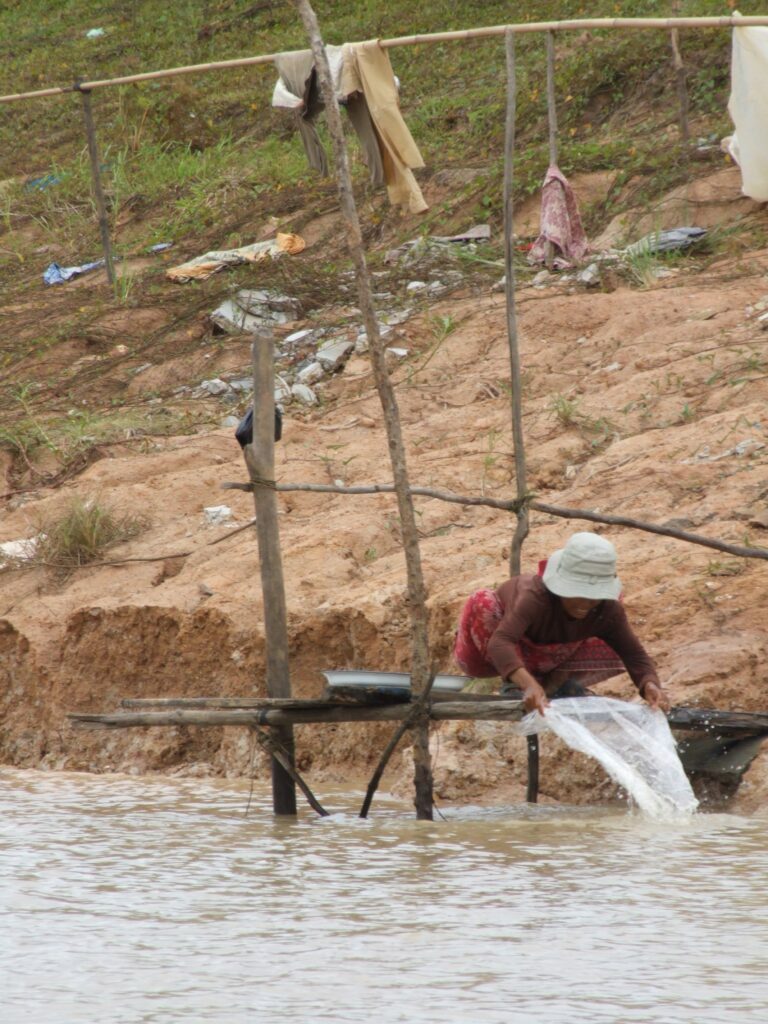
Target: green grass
x: 205, y: 161
x: 82, y: 533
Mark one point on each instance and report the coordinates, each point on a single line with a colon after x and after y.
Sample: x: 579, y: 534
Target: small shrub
x: 565, y: 410
x: 82, y: 533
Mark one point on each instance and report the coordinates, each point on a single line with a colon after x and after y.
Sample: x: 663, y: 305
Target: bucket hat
x: 585, y: 567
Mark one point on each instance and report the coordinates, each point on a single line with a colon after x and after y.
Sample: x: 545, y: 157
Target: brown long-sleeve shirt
x: 531, y: 611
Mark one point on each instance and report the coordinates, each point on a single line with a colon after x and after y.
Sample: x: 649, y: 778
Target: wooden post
x: 260, y: 460
x: 552, y: 120
x: 682, y: 88
x: 420, y: 667
x: 98, y: 194
x: 521, y: 531
x: 522, y: 527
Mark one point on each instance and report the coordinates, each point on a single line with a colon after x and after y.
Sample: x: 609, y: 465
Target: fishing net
x: 633, y: 743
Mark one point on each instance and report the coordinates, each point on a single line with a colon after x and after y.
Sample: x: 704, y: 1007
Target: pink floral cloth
x: 560, y: 222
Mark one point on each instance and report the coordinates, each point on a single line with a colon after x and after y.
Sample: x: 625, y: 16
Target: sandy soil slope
x: 649, y: 402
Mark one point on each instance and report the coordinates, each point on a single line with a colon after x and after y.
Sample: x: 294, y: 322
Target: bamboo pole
x: 682, y: 88
x: 521, y: 530
x: 260, y: 459
x: 512, y: 505
x: 98, y: 193
x: 410, y: 538
x: 462, y: 35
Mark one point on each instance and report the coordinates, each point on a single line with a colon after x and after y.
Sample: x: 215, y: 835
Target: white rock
x: 230, y: 421
x: 399, y: 353
x: 214, y: 387
x: 310, y: 374
x: 304, y: 394
x: 215, y: 515
x: 297, y: 336
x: 590, y: 276
x: 334, y: 355
x: 416, y: 286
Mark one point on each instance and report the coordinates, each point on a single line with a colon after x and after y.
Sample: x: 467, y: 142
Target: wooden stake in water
x: 260, y: 459
x: 98, y: 193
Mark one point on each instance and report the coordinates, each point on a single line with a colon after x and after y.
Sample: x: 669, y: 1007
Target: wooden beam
x: 252, y: 703
x: 461, y: 710
x: 456, y: 707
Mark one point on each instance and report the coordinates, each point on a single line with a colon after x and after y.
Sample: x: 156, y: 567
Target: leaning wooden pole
x: 98, y: 192
x: 420, y: 667
x: 521, y: 531
x: 260, y: 460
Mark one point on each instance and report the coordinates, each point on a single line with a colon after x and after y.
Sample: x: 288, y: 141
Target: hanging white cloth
x: 748, y: 107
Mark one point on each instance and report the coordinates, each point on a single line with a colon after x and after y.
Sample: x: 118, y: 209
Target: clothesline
x: 489, y: 31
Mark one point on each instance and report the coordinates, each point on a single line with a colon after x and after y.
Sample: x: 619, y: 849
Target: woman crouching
x: 553, y: 634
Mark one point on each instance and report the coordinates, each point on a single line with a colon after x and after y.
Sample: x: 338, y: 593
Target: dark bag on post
x: 244, y: 432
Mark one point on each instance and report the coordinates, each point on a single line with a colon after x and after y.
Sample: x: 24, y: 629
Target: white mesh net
x: 633, y: 743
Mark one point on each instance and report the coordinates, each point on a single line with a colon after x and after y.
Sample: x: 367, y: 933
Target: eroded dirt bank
x: 649, y: 402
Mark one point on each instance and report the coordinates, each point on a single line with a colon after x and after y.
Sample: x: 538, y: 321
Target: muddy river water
x: 158, y: 900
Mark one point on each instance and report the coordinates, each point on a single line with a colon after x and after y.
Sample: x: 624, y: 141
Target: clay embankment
x: 650, y: 402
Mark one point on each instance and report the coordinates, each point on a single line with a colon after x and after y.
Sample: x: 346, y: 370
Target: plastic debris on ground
x: 666, y: 241
x: 17, y: 550
x: 410, y: 252
x: 632, y: 742
x: 94, y: 33
x: 252, y: 309
x: 202, y: 267
x: 41, y: 184
x: 748, y: 446
x: 56, y: 274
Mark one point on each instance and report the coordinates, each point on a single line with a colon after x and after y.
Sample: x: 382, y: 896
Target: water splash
x: 633, y: 743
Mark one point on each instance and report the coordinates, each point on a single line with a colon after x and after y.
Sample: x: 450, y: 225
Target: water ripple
x: 156, y: 900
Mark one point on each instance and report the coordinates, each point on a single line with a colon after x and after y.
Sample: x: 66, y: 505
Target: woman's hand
x: 534, y: 697
x: 656, y: 698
